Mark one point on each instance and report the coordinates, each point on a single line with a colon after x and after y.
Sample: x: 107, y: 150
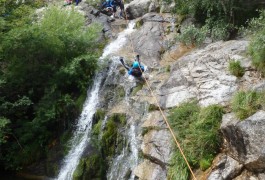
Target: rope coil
x: 164, y: 117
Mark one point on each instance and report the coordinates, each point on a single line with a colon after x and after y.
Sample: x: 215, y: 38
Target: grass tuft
x: 197, y: 130
x: 244, y: 104
x: 236, y: 69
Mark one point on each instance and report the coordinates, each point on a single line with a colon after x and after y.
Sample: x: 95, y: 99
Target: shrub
x: 45, y: 66
x: 244, y: 104
x: 192, y: 36
x: 225, y: 16
x: 218, y: 29
x: 257, y: 45
x: 197, y: 132
x: 236, y: 69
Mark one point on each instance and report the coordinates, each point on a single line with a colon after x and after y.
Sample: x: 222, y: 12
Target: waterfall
x: 123, y: 165
x: 80, y: 137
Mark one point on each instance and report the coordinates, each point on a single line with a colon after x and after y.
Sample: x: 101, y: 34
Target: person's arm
x: 138, y: 59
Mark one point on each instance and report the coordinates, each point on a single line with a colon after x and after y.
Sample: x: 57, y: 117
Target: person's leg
x: 76, y: 2
x: 122, y: 10
x: 114, y: 10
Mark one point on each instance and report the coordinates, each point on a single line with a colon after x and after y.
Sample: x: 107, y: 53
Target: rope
x: 164, y: 117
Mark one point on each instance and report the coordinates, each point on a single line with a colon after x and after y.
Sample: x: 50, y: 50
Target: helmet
x: 135, y: 64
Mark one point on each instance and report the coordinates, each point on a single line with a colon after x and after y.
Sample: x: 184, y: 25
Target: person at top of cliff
x: 136, y: 70
x: 77, y: 2
x: 121, y: 5
x: 107, y: 4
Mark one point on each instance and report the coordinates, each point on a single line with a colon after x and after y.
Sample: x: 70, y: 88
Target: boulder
x: 149, y: 171
x: 203, y: 74
x: 138, y: 8
x: 246, y: 141
x: 148, y: 42
x: 226, y: 168
x: 156, y: 144
x: 246, y: 175
x: 155, y: 147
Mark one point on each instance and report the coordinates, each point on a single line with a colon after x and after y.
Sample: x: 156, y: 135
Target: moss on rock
x: 137, y: 88
x: 89, y: 168
x: 153, y: 107
x: 107, y: 142
x: 98, y: 116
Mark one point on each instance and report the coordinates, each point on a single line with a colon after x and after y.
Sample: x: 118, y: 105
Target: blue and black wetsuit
x: 136, y: 69
x: 106, y: 4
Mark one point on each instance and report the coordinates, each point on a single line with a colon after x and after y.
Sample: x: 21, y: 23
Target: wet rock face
x: 246, y: 140
x: 203, y: 74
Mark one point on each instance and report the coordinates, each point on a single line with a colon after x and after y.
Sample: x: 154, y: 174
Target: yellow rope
x: 164, y: 117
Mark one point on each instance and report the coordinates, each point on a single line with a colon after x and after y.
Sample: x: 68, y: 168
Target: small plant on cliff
x: 197, y: 130
x: 236, y: 69
x: 257, y: 44
x: 244, y: 104
x: 192, y: 36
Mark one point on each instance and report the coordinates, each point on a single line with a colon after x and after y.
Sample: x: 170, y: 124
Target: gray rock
x: 203, y: 74
x: 147, y: 42
x: 155, y: 147
x: 261, y: 176
x: 227, y: 168
x: 137, y: 8
x: 247, y: 175
x: 229, y: 119
x: 246, y: 140
x: 166, y: 8
x: 259, y: 87
x: 150, y: 171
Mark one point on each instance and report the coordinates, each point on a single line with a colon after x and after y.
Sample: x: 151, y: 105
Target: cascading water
x: 123, y: 165
x: 80, y: 137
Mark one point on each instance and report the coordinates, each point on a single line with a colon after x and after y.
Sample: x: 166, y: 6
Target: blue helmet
x: 135, y: 64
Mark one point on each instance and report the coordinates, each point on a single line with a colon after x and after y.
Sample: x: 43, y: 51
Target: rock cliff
x: 178, y: 74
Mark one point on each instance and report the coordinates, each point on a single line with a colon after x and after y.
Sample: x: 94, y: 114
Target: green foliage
x: 107, y: 142
x: 236, y: 69
x: 153, y: 107
x: 218, y: 29
x: 244, y: 104
x: 191, y: 36
x: 205, y: 163
x: 257, y: 44
x: 197, y: 130
x: 4, y: 129
x: 222, y: 18
x: 145, y: 130
x: 45, y: 67
x: 89, y: 168
x: 137, y: 88
x: 79, y: 170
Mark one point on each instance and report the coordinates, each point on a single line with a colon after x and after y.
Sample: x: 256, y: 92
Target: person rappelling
x: 136, y: 70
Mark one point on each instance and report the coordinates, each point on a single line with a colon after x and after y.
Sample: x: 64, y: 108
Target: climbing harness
x: 164, y: 117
